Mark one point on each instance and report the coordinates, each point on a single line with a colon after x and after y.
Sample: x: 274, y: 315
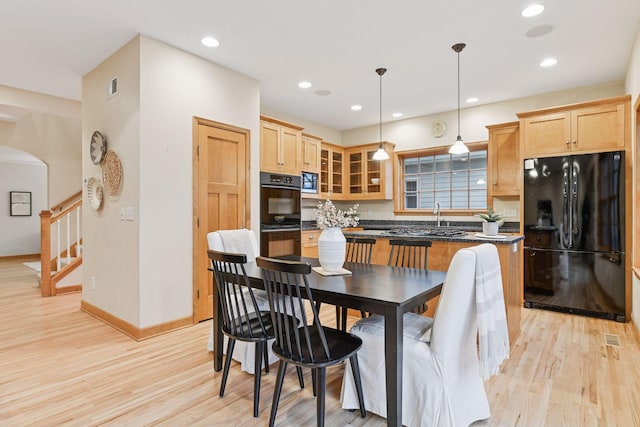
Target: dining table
x: 384, y: 290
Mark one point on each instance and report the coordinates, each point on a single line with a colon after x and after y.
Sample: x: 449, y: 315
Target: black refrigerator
x: 574, y: 226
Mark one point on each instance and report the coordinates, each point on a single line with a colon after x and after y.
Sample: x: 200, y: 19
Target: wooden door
x: 598, y: 128
x: 291, y: 150
x: 546, y: 135
x: 221, y: 197
x: 504, y: 160
x: 270, y: 157
x: 311, y: 153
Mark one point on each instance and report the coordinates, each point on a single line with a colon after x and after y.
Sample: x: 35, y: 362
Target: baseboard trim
x: 138, y: 334
x: 27, y: 257
x: 635, y: 323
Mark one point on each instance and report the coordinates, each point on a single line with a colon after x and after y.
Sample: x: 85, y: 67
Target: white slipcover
x: 244, y: 241
x: 241, y: 241
x: 441, y: 381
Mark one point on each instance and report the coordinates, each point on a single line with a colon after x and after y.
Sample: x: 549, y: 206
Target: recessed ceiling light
x: 210, y: 42
x: 532, y: 10
x: 539, y: 31
x: 304, y: 85
x: 472, y: 100
x: 356, y: 107
x: 396, y: 115
x: 549, y: 62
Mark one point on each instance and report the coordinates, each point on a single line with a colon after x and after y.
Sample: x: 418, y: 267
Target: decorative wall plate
x: 111, y: 173
x: 97, y: 147
x: 94, y: 193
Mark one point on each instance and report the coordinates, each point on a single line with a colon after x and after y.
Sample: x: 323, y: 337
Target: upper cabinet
x: 331, y: 165
x: 280, y: 146
x: 504, y: 160
x: 311, y: 146
x: 582, y: 128
x: 369, y: 179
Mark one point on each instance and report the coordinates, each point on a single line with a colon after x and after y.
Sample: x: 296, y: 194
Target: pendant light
x: 458, y: 147
x: 380, y: 154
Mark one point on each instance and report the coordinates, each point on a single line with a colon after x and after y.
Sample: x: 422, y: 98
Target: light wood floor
x: 60, y: 366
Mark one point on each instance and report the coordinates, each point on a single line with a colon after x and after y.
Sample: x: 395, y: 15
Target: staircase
x: 61, y: 248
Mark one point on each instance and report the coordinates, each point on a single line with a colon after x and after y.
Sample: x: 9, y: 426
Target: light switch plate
x: 129, y: 213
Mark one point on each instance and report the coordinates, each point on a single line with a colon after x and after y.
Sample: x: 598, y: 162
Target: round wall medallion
x: 97, y: 147
x: 94, y: 193
x: 111, y: 173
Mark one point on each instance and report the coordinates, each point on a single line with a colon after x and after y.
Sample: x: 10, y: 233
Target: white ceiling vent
x: 113, y: 87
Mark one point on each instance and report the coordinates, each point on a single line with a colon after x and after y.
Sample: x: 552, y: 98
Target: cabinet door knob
x: 574, y: 141
x: 567, y: 142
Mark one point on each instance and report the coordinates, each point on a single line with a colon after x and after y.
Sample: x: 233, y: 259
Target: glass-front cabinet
x: 369, y: 178
x: 331, y: 165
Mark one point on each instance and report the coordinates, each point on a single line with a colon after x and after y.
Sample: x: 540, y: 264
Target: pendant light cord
x: 458, y: 94
x: 381, y: 109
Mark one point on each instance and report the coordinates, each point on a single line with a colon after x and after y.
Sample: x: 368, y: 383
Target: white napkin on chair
x: 493, y: 334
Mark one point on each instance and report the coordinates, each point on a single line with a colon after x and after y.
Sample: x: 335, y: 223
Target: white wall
x: 144, y: 268
x: 632, y: 85
x: 48, y: 128
x: 328, y: 134
x: 111, y: 253
x: 175, y: 86
x: 20, y: 235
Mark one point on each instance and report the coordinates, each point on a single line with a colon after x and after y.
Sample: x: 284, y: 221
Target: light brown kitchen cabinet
x: 504, y: 160
x: 367, y: 178
x: 310, y: 243
x: 439, y: 258
x: 280, y: 146
x: 311, y: 146
x: 331, y: 169
x: 581, y: 128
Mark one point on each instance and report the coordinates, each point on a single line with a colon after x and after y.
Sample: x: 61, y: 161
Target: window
x: 457, y: 182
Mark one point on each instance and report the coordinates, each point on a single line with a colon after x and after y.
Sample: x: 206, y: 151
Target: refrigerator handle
x: 566, y: 216
x: 574, y: 201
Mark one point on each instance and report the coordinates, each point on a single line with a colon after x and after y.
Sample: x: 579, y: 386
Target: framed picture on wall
x: 20, y: 202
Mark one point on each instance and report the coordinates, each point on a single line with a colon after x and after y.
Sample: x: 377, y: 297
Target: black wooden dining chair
x: 311, y: 345
x: 242, y: 319
x: 359, y: 250
x: 410, y: 254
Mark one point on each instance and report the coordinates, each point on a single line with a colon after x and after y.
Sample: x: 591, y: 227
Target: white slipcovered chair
x: 241, y: 241
x: 442, y: 375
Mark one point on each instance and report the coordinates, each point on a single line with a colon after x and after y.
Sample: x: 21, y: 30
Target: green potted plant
x: 491, y: 222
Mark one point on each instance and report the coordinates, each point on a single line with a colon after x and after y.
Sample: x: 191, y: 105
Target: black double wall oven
x: 280, y: 218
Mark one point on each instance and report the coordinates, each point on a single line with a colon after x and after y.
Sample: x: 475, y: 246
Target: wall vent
x: 112, y: 89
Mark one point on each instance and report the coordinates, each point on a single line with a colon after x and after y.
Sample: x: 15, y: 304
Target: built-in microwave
x: 309, y: 183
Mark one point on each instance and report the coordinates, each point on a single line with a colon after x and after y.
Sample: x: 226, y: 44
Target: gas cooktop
x: 411, y: 232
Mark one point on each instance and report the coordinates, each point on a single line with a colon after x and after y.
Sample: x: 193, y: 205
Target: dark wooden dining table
x: 388, y: 291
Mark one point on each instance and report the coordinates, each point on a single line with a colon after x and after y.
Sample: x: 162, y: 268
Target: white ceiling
x: 47, y: 46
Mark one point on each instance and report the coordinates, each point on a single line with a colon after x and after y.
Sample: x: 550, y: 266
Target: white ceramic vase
x: 331, y: 248
x: 490, y: 228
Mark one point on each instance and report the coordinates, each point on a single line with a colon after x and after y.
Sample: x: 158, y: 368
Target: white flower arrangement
x: 327, y: 215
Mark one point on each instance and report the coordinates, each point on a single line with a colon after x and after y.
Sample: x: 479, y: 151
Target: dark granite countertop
x: 474, y: 237
x: 475, y: 226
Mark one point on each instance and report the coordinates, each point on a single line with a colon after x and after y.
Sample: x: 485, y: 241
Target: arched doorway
x: 25, y: 177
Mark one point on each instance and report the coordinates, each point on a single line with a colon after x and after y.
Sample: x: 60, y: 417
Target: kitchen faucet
x: 436, y: 210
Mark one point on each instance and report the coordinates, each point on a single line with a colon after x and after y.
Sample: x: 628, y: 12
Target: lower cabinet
x: 440, y: 255
x: 310, y: 243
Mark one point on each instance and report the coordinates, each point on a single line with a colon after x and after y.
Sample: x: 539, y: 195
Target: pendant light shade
x: 458, y: 147
x: 381, y: 154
